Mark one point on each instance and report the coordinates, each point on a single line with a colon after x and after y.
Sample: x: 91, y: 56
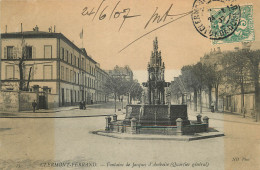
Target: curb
x: 153, y: 137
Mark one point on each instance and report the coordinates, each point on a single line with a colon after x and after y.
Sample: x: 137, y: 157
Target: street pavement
x: 66, y: 143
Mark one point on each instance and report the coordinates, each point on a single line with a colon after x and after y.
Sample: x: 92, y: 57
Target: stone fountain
x: 156, y: 114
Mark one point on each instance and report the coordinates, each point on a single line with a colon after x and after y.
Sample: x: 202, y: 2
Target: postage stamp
x: 245, y: 29
x: 215, y: 23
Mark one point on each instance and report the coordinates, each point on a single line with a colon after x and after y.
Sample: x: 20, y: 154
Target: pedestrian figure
x: 81, y: 105
x: 34, y: 104
x: 84, y: 105
x: 212, y: 106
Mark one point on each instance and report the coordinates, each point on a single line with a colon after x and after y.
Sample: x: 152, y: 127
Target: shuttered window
x: 47, y: 51
x: 47, y: 72
x: 9, y: 72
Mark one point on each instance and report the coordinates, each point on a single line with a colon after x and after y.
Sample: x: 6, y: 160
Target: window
x: 67, y: 95
x: 47, y: 72
x: 67, y: 74
x: 71, y: 76
x: 10, y: 52
x: 62, y: 73
x: 47, y: 51
x: 71, y: 59
x: 78, y: 78
x: 75, y: 60
x: 62, y: 53
x: 78, y: 62
x: 82, y: 64
x: 9, y: 72
x: 67, y: 56
x: 28, y: 52
x: 74, y: 74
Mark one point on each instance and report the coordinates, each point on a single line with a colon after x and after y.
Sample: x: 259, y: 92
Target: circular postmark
x: 216, y: 19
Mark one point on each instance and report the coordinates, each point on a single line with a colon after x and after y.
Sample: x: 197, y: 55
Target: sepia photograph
x: 129, y: 84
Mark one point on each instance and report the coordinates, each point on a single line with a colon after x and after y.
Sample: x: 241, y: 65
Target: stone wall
x: 14, y: 101
x: 191, y: 129
x: 26, y: 99
x: 9, y: 101
x: 157, y: 114
x: 53, y: 101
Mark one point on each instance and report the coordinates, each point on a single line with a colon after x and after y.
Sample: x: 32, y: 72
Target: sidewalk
x: 63, y: 112
x: 222, y: 116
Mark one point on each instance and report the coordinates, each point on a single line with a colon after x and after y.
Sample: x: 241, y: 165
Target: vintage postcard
x: 130, y: 84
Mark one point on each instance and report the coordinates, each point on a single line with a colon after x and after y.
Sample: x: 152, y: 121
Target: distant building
x: 51, y: 61
x: 124, y: 72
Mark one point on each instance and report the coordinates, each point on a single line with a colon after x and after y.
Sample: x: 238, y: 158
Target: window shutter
x: 33, y: 52
x: 5, y: 52
x: 15, y: 52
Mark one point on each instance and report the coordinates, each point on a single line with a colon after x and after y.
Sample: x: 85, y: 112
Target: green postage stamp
x: 245, y: 29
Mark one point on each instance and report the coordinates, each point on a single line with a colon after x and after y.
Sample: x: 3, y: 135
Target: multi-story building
x: 123, y: 72
x: 49, y: 60
x: 101, y: 77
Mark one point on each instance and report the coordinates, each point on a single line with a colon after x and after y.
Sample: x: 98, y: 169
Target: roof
x: 42, y: 34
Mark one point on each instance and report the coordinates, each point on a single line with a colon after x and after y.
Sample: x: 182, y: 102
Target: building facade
x: 48, y: 60
x: 101, y: 78
x: 122, y: 72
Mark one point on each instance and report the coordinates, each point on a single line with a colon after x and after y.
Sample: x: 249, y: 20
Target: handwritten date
x: 115, y: 13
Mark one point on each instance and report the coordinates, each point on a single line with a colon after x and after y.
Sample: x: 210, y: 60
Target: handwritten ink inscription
x: 104, y: 11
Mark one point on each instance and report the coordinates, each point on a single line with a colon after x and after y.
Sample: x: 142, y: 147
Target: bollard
x: 108, y: 120
x: 199, y: 118
x: 206, y: 121
x: 179, y: 126
x: 133, y: 125
x: 115, y: 117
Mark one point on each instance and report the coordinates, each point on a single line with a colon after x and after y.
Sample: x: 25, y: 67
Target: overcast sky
x: 179, y: 41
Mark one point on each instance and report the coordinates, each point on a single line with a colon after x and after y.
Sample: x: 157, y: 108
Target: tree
x: 190, y: 82
x: 212, y: 79
x: 235, y: 66
x: 254, y: 59
x: 209, y: 75
x: 199, y: 71
x: 240, y: 66
x: 113, y: 85
x: 136, y: 91
x: 118, y: 86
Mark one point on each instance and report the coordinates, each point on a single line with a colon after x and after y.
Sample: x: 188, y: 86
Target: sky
x: 106, y: 32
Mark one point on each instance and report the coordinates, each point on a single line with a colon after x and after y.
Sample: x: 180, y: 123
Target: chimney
x: 54, y: 28
x: 21, y: 27
x: 5, y: 28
